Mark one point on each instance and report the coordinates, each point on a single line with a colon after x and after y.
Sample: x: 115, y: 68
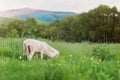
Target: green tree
x: 30, y: 27
x: 13, y: 33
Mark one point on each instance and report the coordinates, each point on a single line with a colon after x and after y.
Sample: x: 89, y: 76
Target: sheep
x: 32, y: 46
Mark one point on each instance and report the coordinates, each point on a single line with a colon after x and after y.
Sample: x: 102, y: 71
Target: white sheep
x: 32, y: 46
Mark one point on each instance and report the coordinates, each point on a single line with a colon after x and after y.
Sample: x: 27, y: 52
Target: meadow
x: 77, y: 61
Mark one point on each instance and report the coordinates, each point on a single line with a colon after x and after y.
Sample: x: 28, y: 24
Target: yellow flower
x: 23, y: 65
x: 97, y: 62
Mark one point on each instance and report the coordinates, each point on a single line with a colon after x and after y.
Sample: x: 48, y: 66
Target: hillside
x: 40, y: 15
x: 4, y: 20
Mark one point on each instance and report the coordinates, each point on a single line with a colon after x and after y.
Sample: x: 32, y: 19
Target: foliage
x: 98, y: 25
x: 13, y: 33
x: 101, y: 24
x: 102, y: 53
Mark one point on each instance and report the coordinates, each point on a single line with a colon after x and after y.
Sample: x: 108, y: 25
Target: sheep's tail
x: 26, y: 48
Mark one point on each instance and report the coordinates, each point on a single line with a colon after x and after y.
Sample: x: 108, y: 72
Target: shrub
x: 102, y: 53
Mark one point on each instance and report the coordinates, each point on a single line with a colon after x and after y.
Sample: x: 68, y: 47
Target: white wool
x: 30, y: 46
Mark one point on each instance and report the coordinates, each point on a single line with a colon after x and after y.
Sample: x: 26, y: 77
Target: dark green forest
x: 101, y: 24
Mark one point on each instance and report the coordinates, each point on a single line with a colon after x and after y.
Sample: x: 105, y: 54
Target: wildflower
x: 20, y: 57
x: 91, y: 58
x: 99, y: 60
x: 70, y: 55
x: 59, y: 64
x: 119, y: 71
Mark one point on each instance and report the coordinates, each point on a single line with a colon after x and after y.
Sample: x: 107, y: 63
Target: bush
x: 102, y: 53
x: 13, y: 33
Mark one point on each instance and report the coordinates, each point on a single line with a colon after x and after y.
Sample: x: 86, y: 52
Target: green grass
x: 77, y: 61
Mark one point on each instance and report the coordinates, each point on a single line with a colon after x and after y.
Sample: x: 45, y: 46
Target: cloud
x: 57, y: 5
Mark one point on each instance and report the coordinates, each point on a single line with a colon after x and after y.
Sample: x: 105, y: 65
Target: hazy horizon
x: 77, y: 6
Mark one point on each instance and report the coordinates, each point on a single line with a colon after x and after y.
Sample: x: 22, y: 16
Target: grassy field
x: 77, y: 61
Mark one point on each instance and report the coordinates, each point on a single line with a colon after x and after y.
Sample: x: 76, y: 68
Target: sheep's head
x: 53, y: 54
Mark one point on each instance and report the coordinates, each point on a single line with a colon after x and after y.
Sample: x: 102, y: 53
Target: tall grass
x: 77, y: 61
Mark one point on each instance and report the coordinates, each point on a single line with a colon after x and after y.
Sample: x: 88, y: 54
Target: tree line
x: 101, y: 24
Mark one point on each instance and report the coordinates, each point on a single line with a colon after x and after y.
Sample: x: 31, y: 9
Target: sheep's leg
x: 41, y: 55
x: 31, y: 55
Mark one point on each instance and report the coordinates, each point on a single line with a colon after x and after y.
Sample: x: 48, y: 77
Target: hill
x: 4, y: 20
x: 40, y: 15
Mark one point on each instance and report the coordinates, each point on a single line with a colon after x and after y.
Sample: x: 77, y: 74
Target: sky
x: 77, y: 6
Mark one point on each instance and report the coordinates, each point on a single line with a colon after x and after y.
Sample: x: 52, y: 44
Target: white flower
x: 59, y: 64
x: 20, y: 57
x: 70, y: 55
x: 99, y: 60
x: 91, y: 58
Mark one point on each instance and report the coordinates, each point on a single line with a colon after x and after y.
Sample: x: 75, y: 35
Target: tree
x: 13, y: 33
x: 30, y: 27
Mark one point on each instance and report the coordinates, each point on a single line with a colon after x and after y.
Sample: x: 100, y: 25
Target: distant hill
x: 40, y: 15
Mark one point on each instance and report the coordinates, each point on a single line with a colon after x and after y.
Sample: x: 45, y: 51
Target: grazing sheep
x: 32, y: 46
